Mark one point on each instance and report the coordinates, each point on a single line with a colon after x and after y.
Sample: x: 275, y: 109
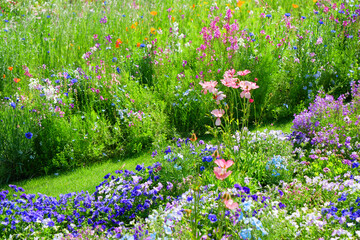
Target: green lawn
x: 80, y: 179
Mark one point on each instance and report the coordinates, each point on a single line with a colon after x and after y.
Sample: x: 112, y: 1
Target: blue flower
x: 142, y: 45
x: 303, y: 17
x: 139, y: 167
x: 287, y: 14
x: 246, y: 233
x: 295, y: 47
x: 268, y: 15
x: 321, y: 22
x: 212, y: 218
x: 28, y: 135
x: 333, y: 31
x: 114, y: 59
x: 202, y: 168
x: 13, y: 105
x: 74, y: 81
x: 247, y: 205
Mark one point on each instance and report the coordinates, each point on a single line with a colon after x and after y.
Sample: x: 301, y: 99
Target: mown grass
x: 82, y: 179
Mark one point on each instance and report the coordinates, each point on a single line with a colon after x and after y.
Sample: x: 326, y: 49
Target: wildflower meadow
x: 161, y: 119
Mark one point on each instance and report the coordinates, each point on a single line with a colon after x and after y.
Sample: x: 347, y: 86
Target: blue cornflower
x: 142, y: 45
x: 48, y: 16
x: 202, y: 168
x: 28, y: 135
x: 295, y: 48
x: 303, y: 17
x: 57, y: 81
x: 321, y: 22
x: 287, y: 14
x: 124, y: 15
x: 212, y: 218
x: 12, y: 104
x: 74, y: 81
x: 118, y: 70
x: 268, y: 15
x: 114, y: 59
x: 251, y: 34
x: 107, y: 176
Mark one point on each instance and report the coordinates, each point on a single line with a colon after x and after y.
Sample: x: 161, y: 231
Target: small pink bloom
x: 326, y: 170
x: 251, y: 100
x: 230, y: 204
x: 218, y: 96
x: 208, y: 86
x: 218, y: 113
x: 101, y: 97
x: 243, y: 73
x: 223, y: 163
x: 221, y: 173
x: 319, y: 41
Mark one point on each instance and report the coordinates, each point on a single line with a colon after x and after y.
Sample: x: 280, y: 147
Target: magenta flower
x: 243, y: 73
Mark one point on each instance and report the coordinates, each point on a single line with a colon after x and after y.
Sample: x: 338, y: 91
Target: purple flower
x: 212, y: 218
x: 28, y: 135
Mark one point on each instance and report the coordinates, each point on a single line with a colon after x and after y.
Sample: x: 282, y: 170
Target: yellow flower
x: 240, y: 3
x: 314, y: 1
x: 295, y: 6
x: 152, y: 30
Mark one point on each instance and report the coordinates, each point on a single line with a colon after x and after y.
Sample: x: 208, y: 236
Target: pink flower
x: 247, y: 86
x: 221, y: 171
x: 326, y: 170
x: 229, y: 79
x: 218, y: 96
x: 230, y: 204
x: 223, y: 163
x: 208, y: 86
x: 243, y: 73
x: 297, y: 60
x: 218, y: 113
x: 319, y: 41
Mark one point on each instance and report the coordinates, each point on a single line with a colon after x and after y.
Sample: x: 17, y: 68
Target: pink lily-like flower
x: 218, y: 113
x: 247, y: 86
x: 221, y: 171
x: 229, y: 79
x: 208, y: 86
x: 230, y: 204
x: 222, y: 163
x: 218, y: 96
x: 243, y: 73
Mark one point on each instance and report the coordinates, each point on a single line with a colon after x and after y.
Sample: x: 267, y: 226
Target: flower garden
x: 191, y: 84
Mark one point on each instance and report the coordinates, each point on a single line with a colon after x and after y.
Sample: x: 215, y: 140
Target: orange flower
x: 118, y: 42
x: 146, y: 39
x: 173, y: 19
x: 4, y: 76
x: 193, y: 137
x: 127, y: 29
x: 10, y: 68
x: 314, y: 1
x: 240, y: 3
x: 295, y: 6
x: 138, y: 44
x: 154, y: 13
x: 16, y: 80
x: 193, y: 6
x: 152, y: 30
x: 133, y: 26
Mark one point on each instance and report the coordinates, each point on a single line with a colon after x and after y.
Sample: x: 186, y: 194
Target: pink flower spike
x: 230, y: 204
x: 243, y: 73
